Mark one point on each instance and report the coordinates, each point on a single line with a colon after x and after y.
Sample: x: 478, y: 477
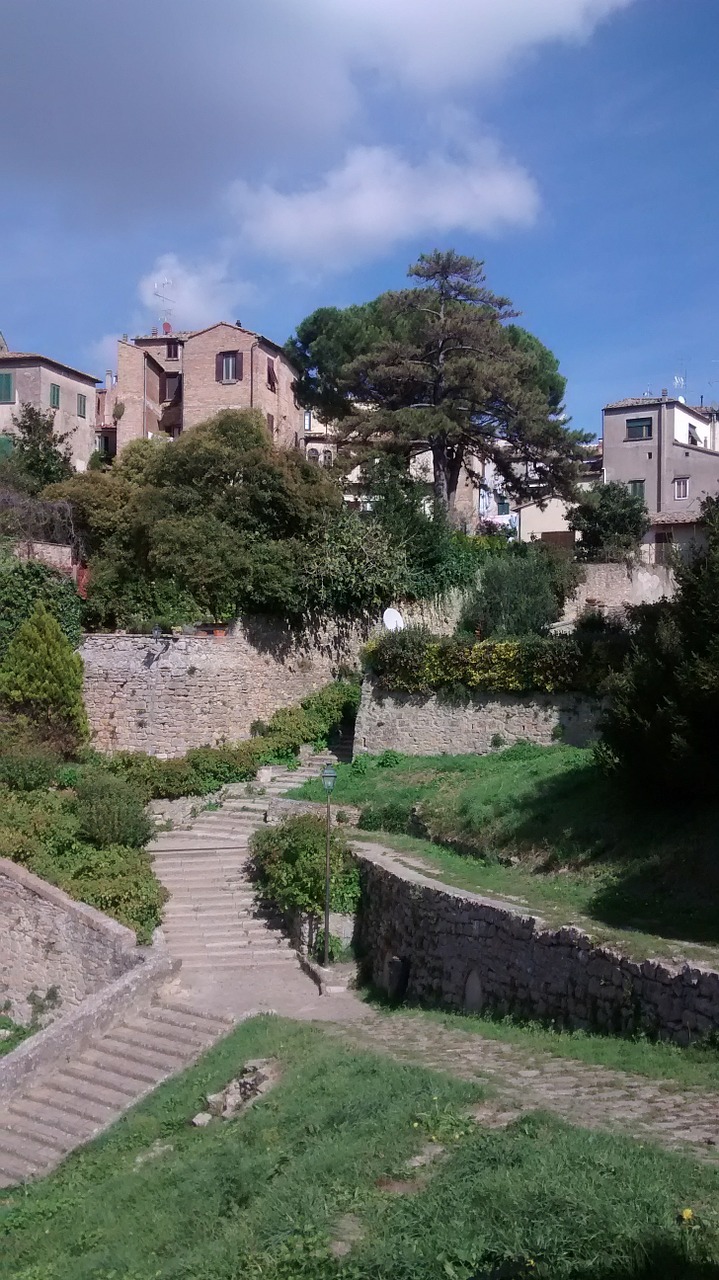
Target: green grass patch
x: 260, y: 1197
x: 542, y: 824
x: 12, y: 1034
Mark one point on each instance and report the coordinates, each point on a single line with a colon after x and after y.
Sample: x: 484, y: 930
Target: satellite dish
x: 393, y: 620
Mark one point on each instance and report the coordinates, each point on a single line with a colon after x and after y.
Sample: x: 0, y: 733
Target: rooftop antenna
x: 160, y: 292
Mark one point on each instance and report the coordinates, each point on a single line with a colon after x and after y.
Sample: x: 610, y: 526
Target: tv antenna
x: 160, y: 292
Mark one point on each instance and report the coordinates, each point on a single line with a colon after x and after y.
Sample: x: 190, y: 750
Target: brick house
x: 168, y: 382
x: 47, y: 384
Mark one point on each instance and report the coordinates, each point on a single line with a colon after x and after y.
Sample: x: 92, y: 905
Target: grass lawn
x: 262, y: 1197
x: 542, y: 825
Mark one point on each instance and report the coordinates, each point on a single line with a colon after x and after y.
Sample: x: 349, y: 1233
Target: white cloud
x: 377, y: 199
x: 200, y: 293
x: 102, y: 354
x: 432, y: 46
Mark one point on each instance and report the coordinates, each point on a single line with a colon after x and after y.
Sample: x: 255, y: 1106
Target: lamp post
x: 329, y: 777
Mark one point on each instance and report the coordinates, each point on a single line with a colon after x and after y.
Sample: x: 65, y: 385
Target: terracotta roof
x: 26, y: 357
x: 648, y: 402
x: 675, y: 517
x: 184, y: 334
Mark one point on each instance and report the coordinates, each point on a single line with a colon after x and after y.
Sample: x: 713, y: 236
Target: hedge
x: 413, y: 661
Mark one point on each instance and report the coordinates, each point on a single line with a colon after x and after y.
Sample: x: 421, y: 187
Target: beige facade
x: 49, y: 385
x: 169, y: 382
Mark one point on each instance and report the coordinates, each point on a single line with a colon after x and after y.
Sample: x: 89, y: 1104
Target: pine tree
x: 42, y: 673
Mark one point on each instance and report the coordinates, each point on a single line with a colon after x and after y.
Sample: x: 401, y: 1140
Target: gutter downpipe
x: 660, y: 450
x: 144, y: 395
x: 252, y: 374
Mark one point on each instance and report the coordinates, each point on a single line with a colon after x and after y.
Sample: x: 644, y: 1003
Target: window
x: 54, y: 396
x: 313, y: 455
x: 308, y: 419
x: 271, y: 423
x: 7, y: 388
x: 502, y: 506
x: 173, y: 351
x: 327, y: 458
x: 228, y: 366
x: 681, y: 487
x: 172, y: 384
x: 271, y: 375
x: 639, y: 428
x: 81, y: 405
x: 636, y: 488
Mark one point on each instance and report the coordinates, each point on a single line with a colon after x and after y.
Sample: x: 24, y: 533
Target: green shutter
x: 7, y: 390
x: 54, y: 396
x: 81, y: 406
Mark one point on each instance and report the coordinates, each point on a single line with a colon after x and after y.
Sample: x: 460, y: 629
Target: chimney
x: 238, y: 323
x: 124, y: 337
x: 665, y: 393
x: 153, y: 331
x: 108, y: 379
x: 166, y: 327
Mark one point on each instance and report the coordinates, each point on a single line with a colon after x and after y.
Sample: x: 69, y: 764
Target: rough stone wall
x: 612, y: 587
x: 448, y: 947
x: 48, y: 940
x: 425, y: 725
x: 165, y: 696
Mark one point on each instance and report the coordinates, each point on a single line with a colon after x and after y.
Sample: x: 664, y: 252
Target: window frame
x: 643, y: 494
x: 271, y: 374
x: 502, y: 501
x: 647, y: 425
x: 10, y: 375
x: 54, y: 395
x: 81, y: 405
x: 681, y: 480
x: 172, y: 350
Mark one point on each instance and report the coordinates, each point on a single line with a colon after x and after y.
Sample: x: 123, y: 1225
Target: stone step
x: 250, y: 960
x: 89, y: 1092
x: 142, y: 1049
x: 89, y: 1074
x: 34, y: 1106
x: 113, y: 1057
x: 76, y: 1104
x: 14, y: 1169
x: 19, y: 1146
x: 51, y: 1139
x: 216, y: 1024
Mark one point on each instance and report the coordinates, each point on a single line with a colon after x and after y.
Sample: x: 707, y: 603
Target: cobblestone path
x: 594, y: 1097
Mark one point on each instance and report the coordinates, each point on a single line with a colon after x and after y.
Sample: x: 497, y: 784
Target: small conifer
x: 43, y: 674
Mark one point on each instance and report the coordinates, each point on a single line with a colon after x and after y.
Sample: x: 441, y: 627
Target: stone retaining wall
x: 420, y: 724
x: 611, y: 587
x: 167, y: 695
x: 48, y: 940
x: 444, y: 946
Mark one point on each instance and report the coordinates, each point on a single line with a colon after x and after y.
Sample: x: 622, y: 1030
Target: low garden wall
x: 431, y: 724
x: 611, y: 587
x: 49, y: 941
x: 444, y: 946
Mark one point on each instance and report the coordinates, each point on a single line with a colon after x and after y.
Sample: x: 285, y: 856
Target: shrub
x: 387, y: 815
x: 610, y: 520
x: 459, y: 666
x: 22, y: 584
x: 111, y: 811
x: 520, y: 594
x: 289, y: 861
x: 28, y: 771
x: 41, y: 672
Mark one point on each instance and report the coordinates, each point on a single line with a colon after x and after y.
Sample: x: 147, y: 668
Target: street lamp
x: 329, y: 778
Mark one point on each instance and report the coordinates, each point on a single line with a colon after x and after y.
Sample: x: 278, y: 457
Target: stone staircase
x: 214, y: 926
x: 213, y: 922
x: 48, y: 1118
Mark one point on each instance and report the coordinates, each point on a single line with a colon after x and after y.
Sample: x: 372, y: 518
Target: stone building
x: 48, y: 384
x: 167, y: 382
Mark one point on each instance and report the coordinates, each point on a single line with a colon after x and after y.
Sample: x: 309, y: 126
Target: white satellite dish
x: 393, y: 620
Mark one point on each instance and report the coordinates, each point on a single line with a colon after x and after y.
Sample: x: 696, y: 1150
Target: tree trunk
x: 447, y: 463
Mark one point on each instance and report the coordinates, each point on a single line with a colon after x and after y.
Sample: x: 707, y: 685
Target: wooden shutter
x: 271, y: 378
x: 238, y: 366
x: 218, y: 366
x: 271, y: 423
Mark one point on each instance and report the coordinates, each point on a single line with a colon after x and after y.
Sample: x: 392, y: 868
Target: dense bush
x: 40, y: 829
x: 412, y: 661
x: 22, y: 584
x: 41, y: 674
x: 610, y: 520
x: 289, y: 861
x: 520, y: 593
x: 111, y: 811
x: 28, y: 770
x: 660, y: 729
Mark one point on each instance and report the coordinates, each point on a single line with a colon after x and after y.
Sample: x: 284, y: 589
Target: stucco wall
x: 444, y: 946
x: 419, y: 724
x: 48, y: 940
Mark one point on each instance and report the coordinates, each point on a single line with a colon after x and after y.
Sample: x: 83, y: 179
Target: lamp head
x: 329, y: 777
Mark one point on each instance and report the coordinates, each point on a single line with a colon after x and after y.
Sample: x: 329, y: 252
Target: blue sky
x: 271, y: 159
